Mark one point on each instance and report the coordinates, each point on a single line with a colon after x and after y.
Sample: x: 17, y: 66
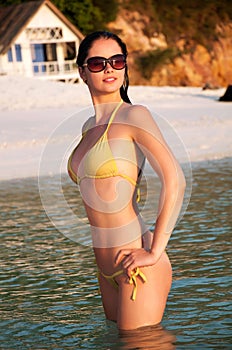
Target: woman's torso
x: 107, y: 163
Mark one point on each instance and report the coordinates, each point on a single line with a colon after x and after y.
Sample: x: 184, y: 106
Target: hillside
x: 176, y: 45
x: 170, y: 42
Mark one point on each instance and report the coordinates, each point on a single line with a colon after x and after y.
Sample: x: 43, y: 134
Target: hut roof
x: 14, y: 18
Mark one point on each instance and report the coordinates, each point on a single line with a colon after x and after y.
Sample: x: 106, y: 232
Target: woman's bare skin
x: 120, y: 239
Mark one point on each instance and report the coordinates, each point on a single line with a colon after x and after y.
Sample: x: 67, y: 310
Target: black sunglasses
x: 98, y: 64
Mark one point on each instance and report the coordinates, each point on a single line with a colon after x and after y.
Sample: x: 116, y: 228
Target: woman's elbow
x: 177, y: 184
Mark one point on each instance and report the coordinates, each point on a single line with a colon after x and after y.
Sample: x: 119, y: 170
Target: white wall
x: 46, y: 18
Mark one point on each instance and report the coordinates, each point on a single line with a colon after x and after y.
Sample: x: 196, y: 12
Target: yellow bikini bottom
x: 132, y: 280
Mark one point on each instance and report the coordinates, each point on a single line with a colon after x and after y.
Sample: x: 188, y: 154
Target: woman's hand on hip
x: 132, y: 258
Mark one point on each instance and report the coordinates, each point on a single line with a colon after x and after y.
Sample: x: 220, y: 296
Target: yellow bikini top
x: 99, y: 162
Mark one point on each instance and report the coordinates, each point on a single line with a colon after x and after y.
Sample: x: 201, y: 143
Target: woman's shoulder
x: 142, y: 122
x: 138, y: 114
x: 136, y: 107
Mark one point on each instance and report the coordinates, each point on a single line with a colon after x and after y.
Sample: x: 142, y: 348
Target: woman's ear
x: 82, y: 74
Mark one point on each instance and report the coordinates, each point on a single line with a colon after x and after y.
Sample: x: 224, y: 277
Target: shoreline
x: 41, y: 118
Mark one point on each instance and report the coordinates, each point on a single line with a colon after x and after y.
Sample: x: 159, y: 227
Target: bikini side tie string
x: 132, y: 280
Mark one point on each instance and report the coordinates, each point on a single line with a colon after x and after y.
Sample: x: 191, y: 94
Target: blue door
x: 38, y: 56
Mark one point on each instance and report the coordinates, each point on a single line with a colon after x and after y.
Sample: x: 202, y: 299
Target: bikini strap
x: 113, y: 115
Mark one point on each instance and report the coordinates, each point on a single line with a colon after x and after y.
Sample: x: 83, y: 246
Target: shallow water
x: 49, y: 293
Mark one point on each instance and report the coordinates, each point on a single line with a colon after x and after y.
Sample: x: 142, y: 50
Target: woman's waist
x: 119, y: 232
x: 106, y: 257
x: 108, y: 195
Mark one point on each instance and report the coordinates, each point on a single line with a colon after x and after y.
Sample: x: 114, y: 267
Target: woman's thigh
x: 109, y: 295
x: 150, y: 302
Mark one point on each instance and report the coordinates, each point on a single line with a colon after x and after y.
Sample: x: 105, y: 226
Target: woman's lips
x: 109, y: 80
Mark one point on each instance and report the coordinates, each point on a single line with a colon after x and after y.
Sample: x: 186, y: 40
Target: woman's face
x: 109, y: 80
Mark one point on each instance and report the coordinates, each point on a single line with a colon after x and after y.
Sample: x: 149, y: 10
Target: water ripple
x: 49, y: 291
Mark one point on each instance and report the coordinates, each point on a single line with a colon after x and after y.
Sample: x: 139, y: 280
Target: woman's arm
x: 145, y: 132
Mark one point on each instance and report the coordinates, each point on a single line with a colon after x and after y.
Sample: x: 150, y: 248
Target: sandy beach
x: 39, y: 117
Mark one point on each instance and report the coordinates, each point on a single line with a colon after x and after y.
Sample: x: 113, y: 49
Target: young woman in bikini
x: 135, y: 273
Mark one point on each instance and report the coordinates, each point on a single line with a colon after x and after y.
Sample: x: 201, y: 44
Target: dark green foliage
x: 82, y: 14
x: 151, y: 60
x: 107, y: 8
x: 86, y: 15
x: 11, y: 2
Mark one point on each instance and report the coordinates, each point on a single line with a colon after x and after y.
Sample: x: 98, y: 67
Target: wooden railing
x: 54, y: 68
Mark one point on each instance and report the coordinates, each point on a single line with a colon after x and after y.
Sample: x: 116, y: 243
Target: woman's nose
x: 108, y: 67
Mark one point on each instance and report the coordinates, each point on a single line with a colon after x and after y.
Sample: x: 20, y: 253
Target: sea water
x: 49, y: 291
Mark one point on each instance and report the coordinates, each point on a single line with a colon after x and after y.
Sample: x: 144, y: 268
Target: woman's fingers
x: 130, y: 259
x: 127, y: 261
x: 122, y: 253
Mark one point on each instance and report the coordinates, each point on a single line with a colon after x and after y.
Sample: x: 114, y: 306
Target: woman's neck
x: 104, y: 111
x: 104, y: 106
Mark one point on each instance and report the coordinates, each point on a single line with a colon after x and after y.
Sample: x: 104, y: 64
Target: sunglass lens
x: 118, y: 61
x: 96, y: 64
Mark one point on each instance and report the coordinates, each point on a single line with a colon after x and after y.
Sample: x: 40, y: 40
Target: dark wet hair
x: 87, y: 43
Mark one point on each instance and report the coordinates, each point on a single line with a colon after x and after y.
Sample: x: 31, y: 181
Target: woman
x: 134, y: 270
